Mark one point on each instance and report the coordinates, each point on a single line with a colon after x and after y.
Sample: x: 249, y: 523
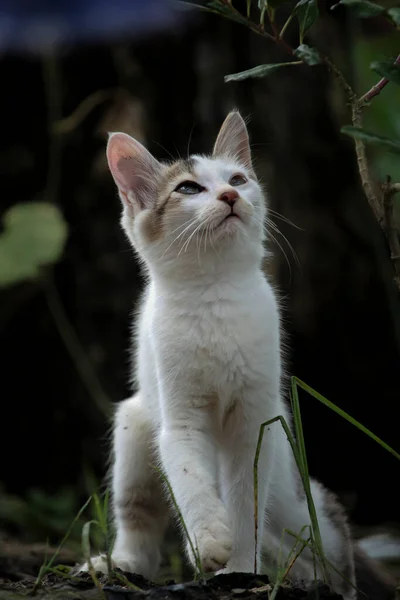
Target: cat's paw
x: 125, y: 562
x: 214, y: 545
x: 237, y: 565
x: 99, y: 564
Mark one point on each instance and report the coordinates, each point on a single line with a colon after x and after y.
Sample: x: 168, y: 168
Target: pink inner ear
x: 134, y: 169
x: 120, y: 155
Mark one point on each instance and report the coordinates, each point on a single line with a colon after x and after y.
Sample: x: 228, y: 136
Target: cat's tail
x: 373, y: 578
x: 381, y: 547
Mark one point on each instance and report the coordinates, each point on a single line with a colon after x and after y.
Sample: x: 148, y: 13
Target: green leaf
x: 387, y: 69
x: 394, y: 14
x: 307, y: 13
x: 362, y: 8
x: 371, y: 138
x: 225, y: 10
x: 34, y: 236
x: 260, y: 71
x: 308, y: 55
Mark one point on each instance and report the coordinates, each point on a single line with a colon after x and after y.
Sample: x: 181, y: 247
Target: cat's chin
x: 230, y: 224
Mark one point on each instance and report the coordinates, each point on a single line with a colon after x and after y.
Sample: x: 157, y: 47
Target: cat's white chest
x: 223, y: 340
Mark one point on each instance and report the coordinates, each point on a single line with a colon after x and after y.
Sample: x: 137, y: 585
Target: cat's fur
x: 208, y: 373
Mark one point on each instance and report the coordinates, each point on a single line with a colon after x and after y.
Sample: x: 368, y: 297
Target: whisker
x: 187, y: 226
x: 187, y: 242
x: 285, y: 219
x: 279, y: 232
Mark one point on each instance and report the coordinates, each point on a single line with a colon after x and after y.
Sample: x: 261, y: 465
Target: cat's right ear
x: 135, y: 171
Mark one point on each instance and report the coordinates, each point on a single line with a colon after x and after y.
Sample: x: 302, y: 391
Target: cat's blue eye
x: 236, y: 180
x: 189, y: 187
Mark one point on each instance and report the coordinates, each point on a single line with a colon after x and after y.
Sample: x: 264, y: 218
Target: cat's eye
x: 237, y: 180
x: 189, y: 187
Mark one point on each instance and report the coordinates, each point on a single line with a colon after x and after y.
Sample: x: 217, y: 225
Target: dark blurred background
x: 65, y: 331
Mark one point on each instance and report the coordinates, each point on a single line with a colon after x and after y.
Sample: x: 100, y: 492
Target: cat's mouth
x: 230, y: 216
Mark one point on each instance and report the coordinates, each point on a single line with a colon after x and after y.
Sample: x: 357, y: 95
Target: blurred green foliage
x: 383, y: 114
x: 34, y: 236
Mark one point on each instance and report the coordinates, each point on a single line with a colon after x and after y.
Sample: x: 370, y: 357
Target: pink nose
x: 229, y: 196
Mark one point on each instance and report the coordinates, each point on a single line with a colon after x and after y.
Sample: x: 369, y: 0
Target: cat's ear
x: 134, y: 169
x: 233, y: 139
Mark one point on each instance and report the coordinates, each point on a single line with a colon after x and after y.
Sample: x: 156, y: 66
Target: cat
x: 208, y: 373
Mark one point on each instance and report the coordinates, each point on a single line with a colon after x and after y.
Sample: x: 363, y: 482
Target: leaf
x: 34, y: 236
x: 387, y: 69
x: 394, y: 14
x: 224, y: 10
x: 371, y: 138
x: 362, y: 8
x: 307, y: 13
x: 308, y: 55
x: 259, y: 71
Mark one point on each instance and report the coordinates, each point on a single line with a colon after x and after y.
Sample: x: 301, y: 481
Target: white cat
x: 208, y: 371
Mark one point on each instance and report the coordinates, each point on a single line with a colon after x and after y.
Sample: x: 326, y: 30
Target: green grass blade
x: 87, y: 554
x: 331, y: 566
x: 194, y: 550
x: 316, y: 534
x: 345, y: 415
x: 47, y: 565
x: 295, y: 451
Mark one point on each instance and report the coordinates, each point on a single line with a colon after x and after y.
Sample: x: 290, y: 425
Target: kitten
x: 208, y: 372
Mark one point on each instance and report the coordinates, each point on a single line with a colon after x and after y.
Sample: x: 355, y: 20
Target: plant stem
x: 377, y: 88
x: 285, y: 26
x: 374, y: 201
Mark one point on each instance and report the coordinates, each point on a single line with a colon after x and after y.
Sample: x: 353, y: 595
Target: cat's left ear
x: 135, y: 171
x: 233, y: 140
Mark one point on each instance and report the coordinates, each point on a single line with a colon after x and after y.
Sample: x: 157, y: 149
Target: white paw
x: 214, y: 545
x: 125, y: 562
x: 99, y: 564
x: 238, y: 565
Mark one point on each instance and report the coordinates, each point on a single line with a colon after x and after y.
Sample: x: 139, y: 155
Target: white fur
x: 209, y: 374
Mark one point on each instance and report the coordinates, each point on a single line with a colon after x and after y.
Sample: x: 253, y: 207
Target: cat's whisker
x: 279, y: 232
x: 271, y: 235
x: 185, y: 245
x: 279, y: 216
x: 186, y: 227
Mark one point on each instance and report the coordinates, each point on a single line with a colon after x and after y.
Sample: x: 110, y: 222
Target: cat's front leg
x: 188, y: 453
x: 238, y: 450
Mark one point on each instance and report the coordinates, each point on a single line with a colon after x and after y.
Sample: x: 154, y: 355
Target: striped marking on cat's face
x: 197, y: 203
x: 201, y: 201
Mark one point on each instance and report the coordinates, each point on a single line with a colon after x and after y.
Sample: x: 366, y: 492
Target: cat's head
x: 198, y: 211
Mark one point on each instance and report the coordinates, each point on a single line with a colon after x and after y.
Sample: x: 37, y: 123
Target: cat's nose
x: 229, y: 196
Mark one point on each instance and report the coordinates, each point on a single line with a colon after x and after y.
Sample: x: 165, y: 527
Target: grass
x: 48, y: 565
x: 313, y: 541
x: 298, y: 448
x: 194, y: 549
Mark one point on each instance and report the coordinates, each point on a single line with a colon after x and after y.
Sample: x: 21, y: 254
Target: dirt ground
x: 20, y: 564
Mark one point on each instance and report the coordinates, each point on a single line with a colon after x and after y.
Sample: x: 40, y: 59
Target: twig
x: 380, y: 203
x: 375, y: 202
x: 377, y: 88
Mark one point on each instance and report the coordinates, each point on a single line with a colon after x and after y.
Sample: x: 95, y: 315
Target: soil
x: 20, y: 564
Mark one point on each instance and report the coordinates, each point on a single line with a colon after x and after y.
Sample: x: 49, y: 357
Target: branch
x: 375, y: 201
x: 361, y: 153
x: 377, y: 88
